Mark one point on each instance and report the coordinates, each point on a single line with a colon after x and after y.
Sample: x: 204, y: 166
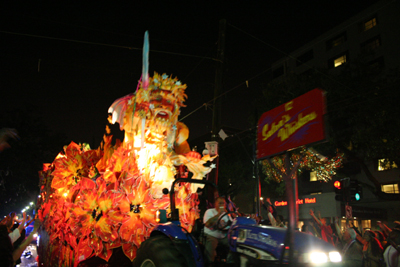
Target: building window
x: 307, y: 56
x: 371, y: 44
x: 339, y: 61
x: 344, y: 223
x: 369, y: 24
x: 336, y: 41
x: 377, y: 64
x: 390, y: 188
x: 277, y: 72
x: 385, y: 164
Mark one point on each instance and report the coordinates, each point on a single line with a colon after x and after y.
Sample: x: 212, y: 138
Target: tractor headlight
x: 335, y: 256
x: 318, y: 257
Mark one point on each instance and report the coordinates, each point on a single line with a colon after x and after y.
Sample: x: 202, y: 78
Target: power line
x: 104, y: 44
x: 111, y: 32
x: 230, y: 90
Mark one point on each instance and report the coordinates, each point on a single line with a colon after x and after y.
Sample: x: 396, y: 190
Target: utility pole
x: 216, y: 121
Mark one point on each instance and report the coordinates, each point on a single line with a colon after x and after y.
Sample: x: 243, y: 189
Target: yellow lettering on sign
x: 274, y: 127
x: 290, y: 128
x: 285, y: 129
x: 288, y: 106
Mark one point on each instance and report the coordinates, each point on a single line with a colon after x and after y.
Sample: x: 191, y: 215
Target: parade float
x: 94, y: 202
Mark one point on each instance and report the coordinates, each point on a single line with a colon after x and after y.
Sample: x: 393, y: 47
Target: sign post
x: 296, y: 123
x: 349, y: 211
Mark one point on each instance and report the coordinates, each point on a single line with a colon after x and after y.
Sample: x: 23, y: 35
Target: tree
x: 362, y: 106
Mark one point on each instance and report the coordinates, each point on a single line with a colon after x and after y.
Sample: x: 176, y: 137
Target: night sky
x: 71, y: 61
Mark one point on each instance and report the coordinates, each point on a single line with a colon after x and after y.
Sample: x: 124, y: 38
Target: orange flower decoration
x: 96, y: 214
x: 140, y: 208
x: 187, y: 203
x: 70, y: 168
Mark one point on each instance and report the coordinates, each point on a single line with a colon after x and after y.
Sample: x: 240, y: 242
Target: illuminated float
x: 94, y: 201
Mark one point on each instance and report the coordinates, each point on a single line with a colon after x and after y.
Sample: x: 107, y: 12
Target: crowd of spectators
x: 270, y: 215
x: 376, y: 248
x: 13, y: 241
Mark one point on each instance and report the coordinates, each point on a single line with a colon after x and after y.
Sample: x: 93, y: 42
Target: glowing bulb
x: 335, y: 256
x: 318, y: 257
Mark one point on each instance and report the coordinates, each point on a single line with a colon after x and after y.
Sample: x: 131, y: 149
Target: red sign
x: 293, y: 124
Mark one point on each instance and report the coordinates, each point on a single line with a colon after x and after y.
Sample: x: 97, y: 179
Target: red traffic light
x: 337, y: 184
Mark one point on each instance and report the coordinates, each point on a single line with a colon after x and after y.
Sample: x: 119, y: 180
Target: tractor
x: 251, y: 244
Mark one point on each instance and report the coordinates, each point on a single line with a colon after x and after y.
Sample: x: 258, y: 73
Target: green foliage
x: 273, y: 189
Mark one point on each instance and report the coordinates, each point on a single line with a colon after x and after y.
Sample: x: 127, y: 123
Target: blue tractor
x: 250, y: 243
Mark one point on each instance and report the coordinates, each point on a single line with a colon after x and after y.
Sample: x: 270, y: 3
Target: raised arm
x: 18, y: 252
x: 315, y: 218
x: 384, y: 227
x: 351, y: 224
x: 271, y: 205
x: 338, y: 231
x: 272, y: 219
x: 22, y: 224
x: 360, y: 238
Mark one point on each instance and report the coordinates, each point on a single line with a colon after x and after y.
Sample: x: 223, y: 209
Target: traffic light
x: 355, y: 191
x: 339, y: 190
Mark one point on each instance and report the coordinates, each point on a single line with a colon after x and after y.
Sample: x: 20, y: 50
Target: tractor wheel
x: 158, y: 251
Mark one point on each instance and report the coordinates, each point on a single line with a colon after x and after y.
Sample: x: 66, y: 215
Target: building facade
x: 374, y: 35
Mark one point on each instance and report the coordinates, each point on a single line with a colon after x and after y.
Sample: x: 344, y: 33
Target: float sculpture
x: 94, y: 201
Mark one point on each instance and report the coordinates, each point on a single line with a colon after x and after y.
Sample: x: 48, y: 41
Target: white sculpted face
x: 162, y: 113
